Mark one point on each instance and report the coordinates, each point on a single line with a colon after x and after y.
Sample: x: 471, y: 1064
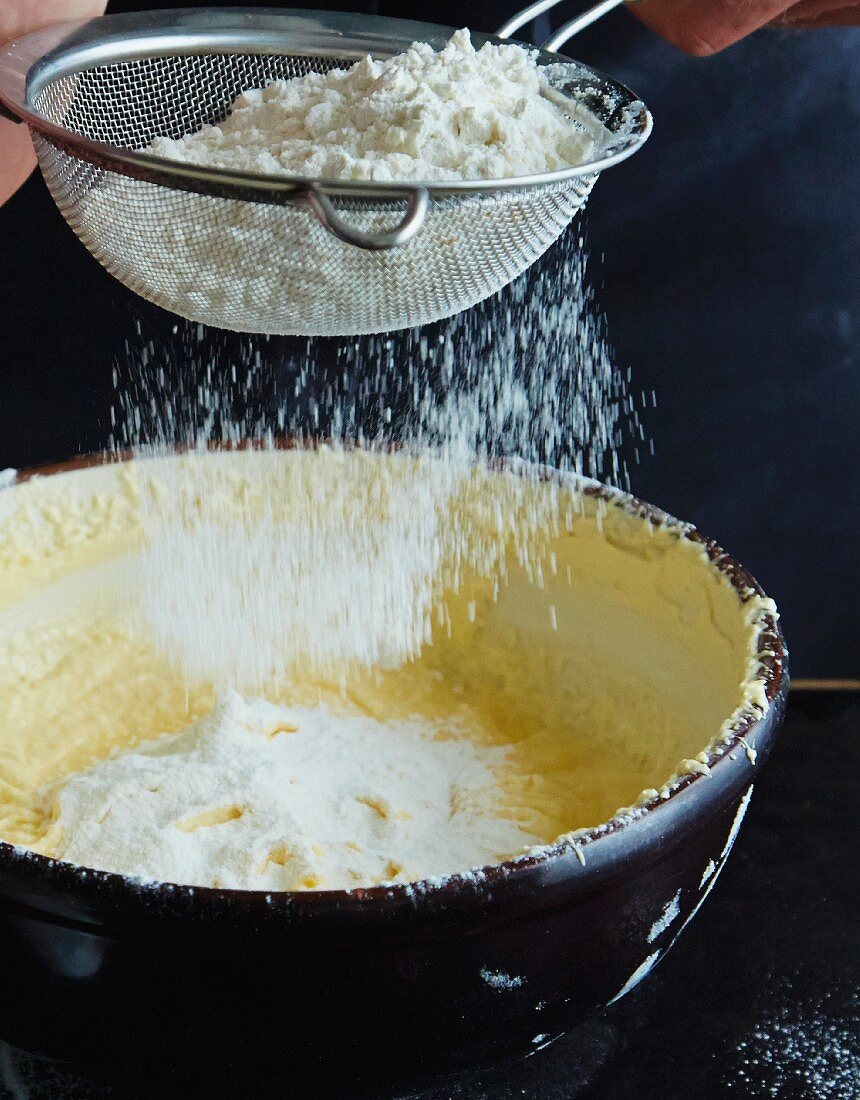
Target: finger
x: 821, y: 13
x: 703, y: 27
x: 19, y: 17
x: 17, y: 158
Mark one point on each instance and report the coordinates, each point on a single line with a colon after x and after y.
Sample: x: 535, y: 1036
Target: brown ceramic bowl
x: 330, y: 992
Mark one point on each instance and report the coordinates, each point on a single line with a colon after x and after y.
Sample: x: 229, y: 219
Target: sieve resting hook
x: 417, y: 204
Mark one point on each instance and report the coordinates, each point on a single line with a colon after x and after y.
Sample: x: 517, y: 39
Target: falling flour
x: 528, y: 375
x: 336, y: 561
x: 317, y: 564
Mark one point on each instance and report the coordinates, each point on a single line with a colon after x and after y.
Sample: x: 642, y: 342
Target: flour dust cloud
x: 243, y: 584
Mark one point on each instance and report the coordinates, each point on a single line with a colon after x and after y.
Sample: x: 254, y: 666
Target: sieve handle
x: 417, y: 204
x: 555, y: 41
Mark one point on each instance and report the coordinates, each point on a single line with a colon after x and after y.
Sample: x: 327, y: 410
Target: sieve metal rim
x: 30, y: 64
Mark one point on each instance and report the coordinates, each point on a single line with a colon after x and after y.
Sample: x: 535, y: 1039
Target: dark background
x: 727, y: 257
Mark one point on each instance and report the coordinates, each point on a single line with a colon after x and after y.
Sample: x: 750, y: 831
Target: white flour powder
x: 258, y: 796
x: 242, y: 581
x: 805, y: 1048
x: 459, y: 113
x: 289, y: 565
x: 334, y: 559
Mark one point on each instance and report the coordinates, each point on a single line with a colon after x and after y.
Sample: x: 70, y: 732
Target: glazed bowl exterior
x: 335, y: 992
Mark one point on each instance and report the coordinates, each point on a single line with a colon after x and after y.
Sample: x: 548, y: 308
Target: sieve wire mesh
x: 258, y: 267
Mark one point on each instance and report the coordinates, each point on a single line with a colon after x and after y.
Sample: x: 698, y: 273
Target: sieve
x: 284, y: 254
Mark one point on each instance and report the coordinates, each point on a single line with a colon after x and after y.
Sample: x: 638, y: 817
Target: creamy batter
x: 608, y: 658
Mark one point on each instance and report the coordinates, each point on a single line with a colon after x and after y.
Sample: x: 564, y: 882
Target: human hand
x: 19, y: 17
x: 703, y: 27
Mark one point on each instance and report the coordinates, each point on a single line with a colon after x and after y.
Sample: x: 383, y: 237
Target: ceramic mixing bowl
x: 333, y: 991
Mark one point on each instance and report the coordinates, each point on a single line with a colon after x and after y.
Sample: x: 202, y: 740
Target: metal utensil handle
x: 574, y: 26
x: 417, y: 204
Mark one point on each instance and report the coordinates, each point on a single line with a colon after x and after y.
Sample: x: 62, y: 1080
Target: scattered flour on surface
x: 670, y: 913
x: 500, y: 981
x: 803, y: 1049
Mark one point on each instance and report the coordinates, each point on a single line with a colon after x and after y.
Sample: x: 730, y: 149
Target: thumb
x: 703, y: 27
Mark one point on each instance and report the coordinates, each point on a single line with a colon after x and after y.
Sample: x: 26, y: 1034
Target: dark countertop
x: 760, y: 998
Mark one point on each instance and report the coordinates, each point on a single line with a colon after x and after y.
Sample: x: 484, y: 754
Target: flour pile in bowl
x: 265, y: 797
x: 455, y: 114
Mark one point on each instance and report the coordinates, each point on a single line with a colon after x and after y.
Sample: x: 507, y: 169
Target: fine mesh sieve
x: 271, y: 253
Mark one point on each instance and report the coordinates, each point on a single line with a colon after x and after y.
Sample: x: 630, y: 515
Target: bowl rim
x: 771, y: 662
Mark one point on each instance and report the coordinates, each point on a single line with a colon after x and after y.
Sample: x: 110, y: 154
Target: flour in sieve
x: 460, y: 113
x: 455, y: 114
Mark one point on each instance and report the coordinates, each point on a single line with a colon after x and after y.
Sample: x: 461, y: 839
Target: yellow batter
x: 610, y: 668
